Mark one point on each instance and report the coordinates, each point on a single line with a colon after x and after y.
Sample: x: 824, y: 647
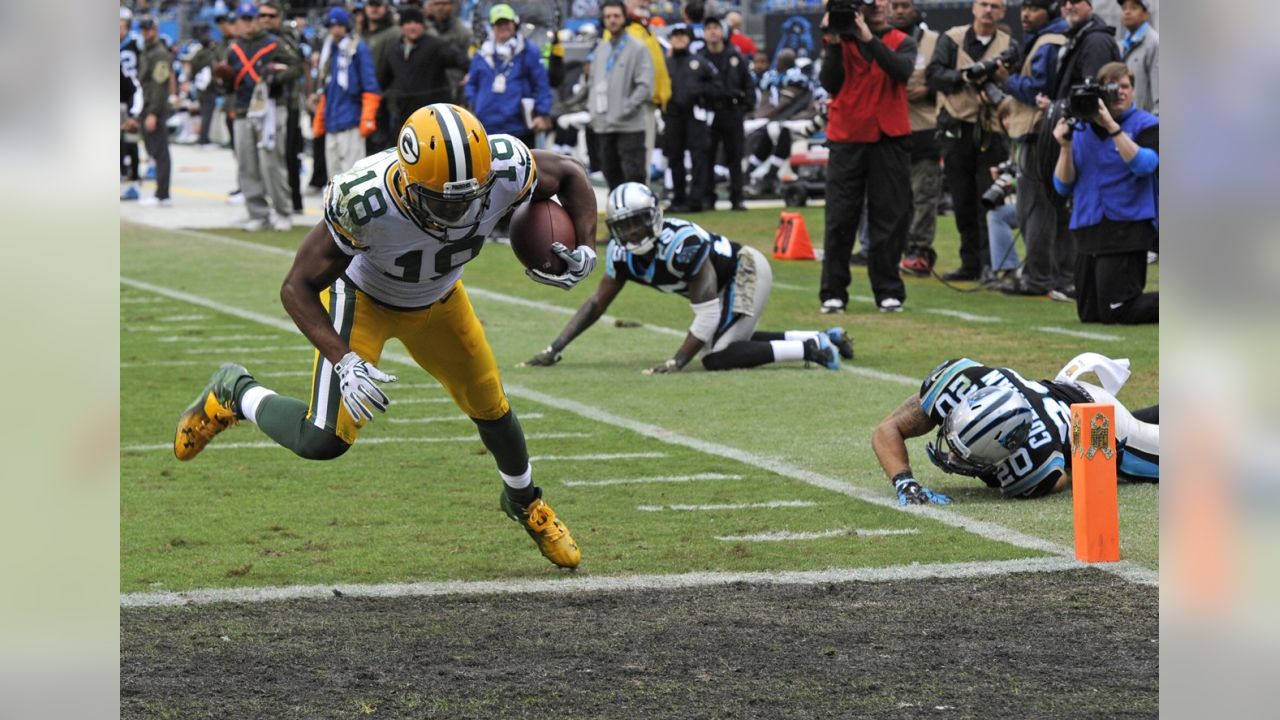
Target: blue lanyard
x: 613, y: 56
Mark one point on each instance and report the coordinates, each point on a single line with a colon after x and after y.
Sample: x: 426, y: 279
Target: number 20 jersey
x: 1036, y: 466
x: 398, y: 261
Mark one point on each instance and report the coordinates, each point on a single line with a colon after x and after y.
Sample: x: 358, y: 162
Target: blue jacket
x: 342, y: 107
x: 1106, y: 187
x: 1044, y: 67
x: 526, y: 78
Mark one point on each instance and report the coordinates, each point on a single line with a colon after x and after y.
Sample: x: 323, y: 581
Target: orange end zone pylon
x: 1093, y: 482
x: 792, y: 239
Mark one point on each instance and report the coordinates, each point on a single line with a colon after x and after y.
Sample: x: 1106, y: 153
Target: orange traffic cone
x: 792, y: 240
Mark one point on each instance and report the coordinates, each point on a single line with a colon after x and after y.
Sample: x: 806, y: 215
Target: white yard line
x: 771, y: 505
x: 962, y: 315
x: 598, y: 456
x: 182, y: 318
x: 450, y: 418
x: 1078, y: 333
x: 991, y: 531
x: 787, y: 536
x: 212, y: 364
x: 266, y: 444
x: 696, y: 477
x: 213, y: 338
x: 306, y: 350
x: 585, y: 583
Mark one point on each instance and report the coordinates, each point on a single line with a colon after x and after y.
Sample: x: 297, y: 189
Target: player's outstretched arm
x: 566, y: 179
x: 889, y: 441
x: 317, y: 264
x: 587, y: 315
x: 705, y: 302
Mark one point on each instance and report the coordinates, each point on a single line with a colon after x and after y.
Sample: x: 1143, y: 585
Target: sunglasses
x: 269, y: 16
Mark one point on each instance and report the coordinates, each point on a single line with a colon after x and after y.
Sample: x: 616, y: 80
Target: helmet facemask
x: 460, y: 205
x: 996, y: 429
x: 634, y: 230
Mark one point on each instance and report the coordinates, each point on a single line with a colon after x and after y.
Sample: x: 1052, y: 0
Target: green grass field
x: 416, y: 499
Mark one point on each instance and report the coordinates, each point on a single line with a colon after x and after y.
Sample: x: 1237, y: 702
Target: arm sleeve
x: 898, y: 64
x: 832, y: 74
x: 1153, y: 78
x: 1024, y: 88
x: 940, y: 75
x: 1147, y: 160
x: 287, y: 54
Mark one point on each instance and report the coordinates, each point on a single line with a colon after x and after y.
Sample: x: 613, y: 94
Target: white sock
x: 801, y: 335
x: 518, y: 482
x: 787, y: 349
x: 250, y: 401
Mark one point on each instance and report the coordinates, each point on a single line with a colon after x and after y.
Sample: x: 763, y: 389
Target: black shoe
x: 1020, y: 287
x: 858, y: 259
x: 960, y: 275
x: 677, y: 208
x: 739, y: 207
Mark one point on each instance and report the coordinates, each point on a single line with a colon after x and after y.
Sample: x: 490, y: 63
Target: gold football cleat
x: 551, y: 535
x: 211, y: 413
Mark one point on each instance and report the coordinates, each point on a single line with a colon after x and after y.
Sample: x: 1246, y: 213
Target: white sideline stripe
x: 785, y: 536
x: 264, y: 444
x: 1078, y: 333
x: 211, y: 364
x: 452, y: 418
x: 265, y: 348
x: 182, y: 318
x: 169, y: 329
x: 962, y: 315
x: 771, y: 505
x: 598, y: 456
x: 697, y: 477
x: 583, y: 583
x: 548, y: 307
x: 989, y: 530
x: 140, y: 300
x: 214, y: 338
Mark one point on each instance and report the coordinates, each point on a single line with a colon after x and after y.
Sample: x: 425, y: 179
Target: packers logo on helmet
x: 445, y: 164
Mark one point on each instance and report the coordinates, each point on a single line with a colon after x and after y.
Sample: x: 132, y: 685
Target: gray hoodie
x: 1143, y: 59
x: 621, y: 89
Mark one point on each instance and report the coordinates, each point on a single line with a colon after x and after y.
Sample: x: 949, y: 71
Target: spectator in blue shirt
x: 347, y: 112
x: 1108, y: 165
x: 506, y: 74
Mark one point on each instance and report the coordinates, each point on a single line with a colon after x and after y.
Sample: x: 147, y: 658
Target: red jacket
x: 870, y: 104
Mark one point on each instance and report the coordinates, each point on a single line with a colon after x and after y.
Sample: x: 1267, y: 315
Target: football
x: 534, y: 227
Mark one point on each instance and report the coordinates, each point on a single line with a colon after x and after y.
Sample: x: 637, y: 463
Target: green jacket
x: 154, y: 71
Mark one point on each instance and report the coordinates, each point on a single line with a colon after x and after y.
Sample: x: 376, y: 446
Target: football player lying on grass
x: 1010, y: 432
x: 726, y: 284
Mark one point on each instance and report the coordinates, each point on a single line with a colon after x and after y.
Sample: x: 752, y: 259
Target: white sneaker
x: 281, y: 223
x: 255, y: 225
x: 889, y: 305
x: 235, y: 198
x: 1152, y: 257
x: 832, y: 306
x: 154, y: 201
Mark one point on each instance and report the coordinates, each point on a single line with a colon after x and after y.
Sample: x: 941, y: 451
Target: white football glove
x: 579, y: 264
x: 355, y: 382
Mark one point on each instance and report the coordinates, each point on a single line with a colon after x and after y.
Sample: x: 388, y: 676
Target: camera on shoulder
x: 842, y: 14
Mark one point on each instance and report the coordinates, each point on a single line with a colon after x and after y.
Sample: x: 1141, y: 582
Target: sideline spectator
x: 229, y: 28
x: 638, y: 27
x: 1049, y: 256
x: 506, y: 73
x: 130, y: 54
x: 416, y: 73
x: 729, y: 105
x: 746, y: 46
x: 971, y: 137
x: 727, y: 286
x: 621, y: 89
x: 1140, y: 48
x: 271, y: 16
x: 1108, y: 166
x: 1090, y: 45
x: 443, y: 23
x: 380, y: 33
x: 347, y: 112
x: 260, y: 65
x: 206, y: 90
x: 155, y: 74
x: 866, y: 68
x: 685, y: 119
x: 926, y: 155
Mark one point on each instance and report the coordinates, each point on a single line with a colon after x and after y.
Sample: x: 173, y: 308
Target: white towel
x: 1112, y: 373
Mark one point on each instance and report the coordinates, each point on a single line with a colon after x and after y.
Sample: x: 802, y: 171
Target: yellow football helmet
x: 445, y: 164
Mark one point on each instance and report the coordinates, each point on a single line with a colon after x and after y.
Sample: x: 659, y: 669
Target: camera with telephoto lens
x: 1082, y: 103
x: 979, y: 74
x: 842, y: 14
x: 1004, y: 186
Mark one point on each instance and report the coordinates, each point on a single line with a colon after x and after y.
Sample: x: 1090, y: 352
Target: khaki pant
x: 262, y: 172
x: 342, y: 149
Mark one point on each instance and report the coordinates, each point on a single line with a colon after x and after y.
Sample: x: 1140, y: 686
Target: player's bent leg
x: 1138, y: 441
x: 285, y: 420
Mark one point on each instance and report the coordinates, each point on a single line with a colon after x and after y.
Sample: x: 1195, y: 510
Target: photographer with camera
x: 967, y: 66
x: 1107, y: 164
x: 865, y: 69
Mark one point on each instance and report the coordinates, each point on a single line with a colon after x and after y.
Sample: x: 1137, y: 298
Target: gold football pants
x: 445, y: 339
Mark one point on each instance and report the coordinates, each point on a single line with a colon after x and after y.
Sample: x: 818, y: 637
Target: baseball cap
x: 1146, y: 4
x: 247, y: 10
x: 502, y: 11
x: 713, y: 19
x: 411, y: 14
x: 146, y: 23
x: 337, y: 16
x: 1050, y: 5
x: 681, y: 28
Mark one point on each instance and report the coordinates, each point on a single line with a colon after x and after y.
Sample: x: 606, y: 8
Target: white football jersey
x: 398, y: 261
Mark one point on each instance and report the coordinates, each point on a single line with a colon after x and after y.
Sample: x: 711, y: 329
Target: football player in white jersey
x: 727, y: 286
x: 1012, y: 433
x: 386, y: 262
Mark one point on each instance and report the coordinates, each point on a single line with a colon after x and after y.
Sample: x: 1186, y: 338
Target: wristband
x: 904, y: 475
x: 1117, y: 132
